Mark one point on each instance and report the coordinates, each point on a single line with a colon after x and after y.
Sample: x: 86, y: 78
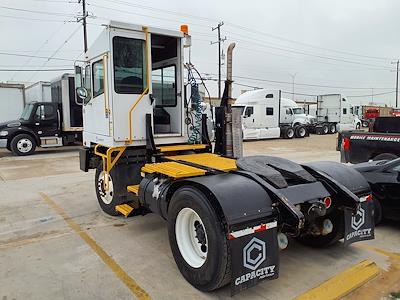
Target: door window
x: 129, y: 65
x: 288, y: 111
x: 98, y: 78
x: 270, y: 111
x: 44, y: 112
x: 249, y: 111
x: 164, y: 86
x: 86, y: 80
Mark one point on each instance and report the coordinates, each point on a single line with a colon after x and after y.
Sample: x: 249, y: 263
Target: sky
x: 330, y: 46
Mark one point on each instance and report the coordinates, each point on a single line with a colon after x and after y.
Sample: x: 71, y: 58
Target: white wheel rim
x: 326, y: 129
x: 105, y: 196
x: 24, y: 145
x: 302, y: 132
x: 191, y: 237
x: 290, y: 133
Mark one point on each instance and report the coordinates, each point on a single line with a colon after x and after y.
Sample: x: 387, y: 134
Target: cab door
x: 130, y: 84
x: 46, y: 120
x: 96, y: 117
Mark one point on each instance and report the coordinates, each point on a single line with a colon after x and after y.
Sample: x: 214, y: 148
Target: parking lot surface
x: 56, y: 243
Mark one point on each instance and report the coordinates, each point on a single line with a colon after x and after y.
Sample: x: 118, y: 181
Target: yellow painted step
x: 172, y: 148
x: 124, y: 209
x: 208, y: 160
x: 173, y: 169
x: 133, y: 189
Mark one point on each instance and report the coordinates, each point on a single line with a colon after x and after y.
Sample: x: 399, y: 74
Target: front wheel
x: 198, y: 240
x: 108, y: 198
x: 23, y: 144
x: 300, y: 131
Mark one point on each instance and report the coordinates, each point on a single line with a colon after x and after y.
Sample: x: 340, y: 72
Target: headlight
x: 3, y: 133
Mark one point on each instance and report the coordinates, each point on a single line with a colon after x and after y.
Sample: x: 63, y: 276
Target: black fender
x: 342, y: 180
x: 240, y: 201
x: 14, y: 131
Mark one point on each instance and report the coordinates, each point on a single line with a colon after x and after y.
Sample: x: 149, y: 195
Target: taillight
x: 366, y: 198
x: 346, y: 144
x: 328, y: 202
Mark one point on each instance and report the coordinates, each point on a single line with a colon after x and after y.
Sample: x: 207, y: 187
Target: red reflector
x: 262, y: 228
x: 368, y: 198
x: 328, y: 202
x: 231, y: 237
x: 346, y: 144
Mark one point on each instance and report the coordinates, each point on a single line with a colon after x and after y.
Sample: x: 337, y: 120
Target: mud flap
x: 359, y: 226
x: 255, y: 256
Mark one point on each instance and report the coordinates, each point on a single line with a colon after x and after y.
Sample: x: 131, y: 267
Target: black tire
x: 23, y: 144
x: 378, y: 213
x: 289, y: 132
x: 332, y: 128
x: 8, y: 147
x: 365, y: 124
x: 300, y: 131
x: 215, y: 271
x: 358, y: 126
x: 324, y: 129
x: 385, y: 156
x: 320, y: 241
x: 108, y: 200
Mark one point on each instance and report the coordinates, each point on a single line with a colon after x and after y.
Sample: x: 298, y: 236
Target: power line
x: 36, y: 11
x: 377, y: 94
x: 36, y: 56
x: 58, y: 49
x: 32, y: 19
x: 247, y: 29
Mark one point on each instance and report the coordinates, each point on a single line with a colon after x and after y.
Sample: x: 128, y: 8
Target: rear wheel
x: 289, y: 132
x: 300, y: 131
x: 325, y: 129
x: 198, y: 240
x: 385, y: 156
x: 23, y: 144
x: 320, y: 241
x: 332, y: 128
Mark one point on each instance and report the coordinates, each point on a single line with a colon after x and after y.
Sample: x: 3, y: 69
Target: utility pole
x: 83, y: 19
x: 218, y: 28
x: 397, y: 81
x: 293, y: 77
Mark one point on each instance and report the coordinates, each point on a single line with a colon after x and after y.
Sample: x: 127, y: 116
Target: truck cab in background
x: 267, y: 115
x: 46, y: 124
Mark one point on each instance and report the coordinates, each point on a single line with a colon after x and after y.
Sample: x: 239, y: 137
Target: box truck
x: 46, y: 124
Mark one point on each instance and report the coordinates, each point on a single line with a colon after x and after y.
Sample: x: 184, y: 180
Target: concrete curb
x: 343, y: 283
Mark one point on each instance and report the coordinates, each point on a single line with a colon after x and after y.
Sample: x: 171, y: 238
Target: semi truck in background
x: 267, y: 115
x: 334, y: 113
x: 38, y: 92
x: 368, y: 113
x: 12, y: 101
x: 46, y: 124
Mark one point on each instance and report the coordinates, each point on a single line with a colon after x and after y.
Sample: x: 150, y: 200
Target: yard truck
x: 46, y: 124
x: 227, y: 217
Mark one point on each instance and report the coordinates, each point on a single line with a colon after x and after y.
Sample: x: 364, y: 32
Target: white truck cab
x: 121, y: 92
x: 267, y: 115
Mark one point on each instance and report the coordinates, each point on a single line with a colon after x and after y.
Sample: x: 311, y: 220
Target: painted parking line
x: 343, y: 283
x: 108, y: 260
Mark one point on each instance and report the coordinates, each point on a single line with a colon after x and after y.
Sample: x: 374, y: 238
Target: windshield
x: 27, y: 112
x: 298, y: 111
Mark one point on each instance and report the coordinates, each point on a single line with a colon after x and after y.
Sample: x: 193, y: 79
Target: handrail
x: 105, y: 85
x: 146, y: 90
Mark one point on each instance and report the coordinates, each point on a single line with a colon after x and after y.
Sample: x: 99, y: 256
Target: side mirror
x: 83, y: 95
x: 78, y: 77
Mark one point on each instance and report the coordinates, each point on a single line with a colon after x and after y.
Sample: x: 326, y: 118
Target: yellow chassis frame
x: 108, y: 161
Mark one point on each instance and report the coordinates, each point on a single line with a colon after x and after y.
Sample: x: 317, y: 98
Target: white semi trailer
x: 267, y: 115
x: 12, y: 101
